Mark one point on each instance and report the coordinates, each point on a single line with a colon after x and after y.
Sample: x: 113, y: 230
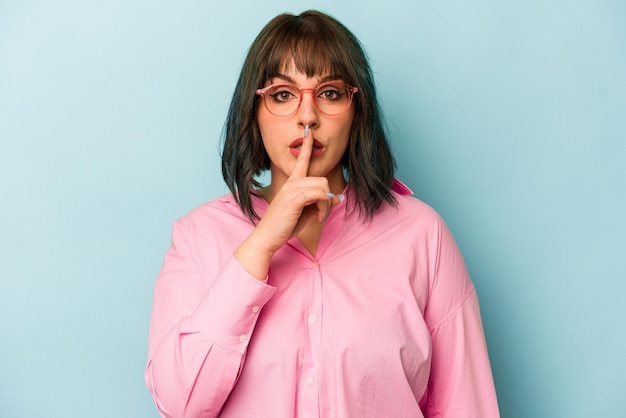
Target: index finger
x: 301, y: 167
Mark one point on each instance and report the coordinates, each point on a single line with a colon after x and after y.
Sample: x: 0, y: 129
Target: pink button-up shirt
x: 383, y: 322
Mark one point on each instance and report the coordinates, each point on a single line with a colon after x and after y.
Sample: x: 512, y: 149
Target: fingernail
x: 340, y: 196
x: 306, y: 130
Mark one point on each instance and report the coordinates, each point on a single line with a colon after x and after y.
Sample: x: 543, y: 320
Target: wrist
x: 254, y: 257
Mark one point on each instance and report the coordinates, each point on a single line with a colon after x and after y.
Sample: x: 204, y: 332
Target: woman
x: 330, y: 292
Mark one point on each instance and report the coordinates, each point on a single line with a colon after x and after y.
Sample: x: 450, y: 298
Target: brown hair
x: 316, y: 44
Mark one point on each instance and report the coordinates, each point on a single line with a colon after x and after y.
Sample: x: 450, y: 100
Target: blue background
x: 507, y: 117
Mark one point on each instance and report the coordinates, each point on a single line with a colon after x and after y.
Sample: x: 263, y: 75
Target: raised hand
x: 299, y: 201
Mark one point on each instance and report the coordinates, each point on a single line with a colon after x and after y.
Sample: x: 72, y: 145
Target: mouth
x: 296, y: 146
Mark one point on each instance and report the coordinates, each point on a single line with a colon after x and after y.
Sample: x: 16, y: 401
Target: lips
x: 296, y: 145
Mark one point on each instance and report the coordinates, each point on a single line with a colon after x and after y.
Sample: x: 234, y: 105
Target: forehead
x: 292, y: 74
x: 298, y: 59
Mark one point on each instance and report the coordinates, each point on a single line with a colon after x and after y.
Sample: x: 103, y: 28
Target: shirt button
x: 312, y: 318
x: 255, y: 309
x: 242, y: 338
x: 309, y: 380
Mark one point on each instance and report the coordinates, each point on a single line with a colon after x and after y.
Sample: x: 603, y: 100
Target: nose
x: 307, y: 112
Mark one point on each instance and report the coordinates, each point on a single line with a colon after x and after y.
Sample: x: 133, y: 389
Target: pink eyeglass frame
x: 351, y: 91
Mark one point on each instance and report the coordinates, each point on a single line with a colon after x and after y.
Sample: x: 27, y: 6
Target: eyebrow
x: 285, y: 77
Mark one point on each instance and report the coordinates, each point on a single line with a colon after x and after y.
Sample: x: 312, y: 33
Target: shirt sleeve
x: 198, y: 335
x: 461, y: 382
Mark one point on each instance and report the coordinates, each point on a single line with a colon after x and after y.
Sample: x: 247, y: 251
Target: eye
x: 331, y: 92
x: 282, y: 94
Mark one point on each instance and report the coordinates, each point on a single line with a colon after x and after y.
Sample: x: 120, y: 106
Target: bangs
x: 308, y: 48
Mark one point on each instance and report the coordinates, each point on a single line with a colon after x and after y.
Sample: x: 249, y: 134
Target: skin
x: 297, y: 195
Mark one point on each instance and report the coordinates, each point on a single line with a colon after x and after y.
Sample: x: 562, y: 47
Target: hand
x: 298, y: 202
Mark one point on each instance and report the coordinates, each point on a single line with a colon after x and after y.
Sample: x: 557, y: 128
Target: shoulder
x: 221, y: 214
x: 413, y: 222
x: 408, y: 225
x: 210, y: 232
x: 409, y: 209
x: 413, y: 206
x: 223, y: 205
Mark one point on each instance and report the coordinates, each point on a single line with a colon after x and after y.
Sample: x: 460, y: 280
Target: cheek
x: 262, y: 120
x: 267, y: 127
x: 346, y: 128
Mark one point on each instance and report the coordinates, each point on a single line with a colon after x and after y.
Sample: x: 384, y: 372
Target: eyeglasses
x: 332, y: 98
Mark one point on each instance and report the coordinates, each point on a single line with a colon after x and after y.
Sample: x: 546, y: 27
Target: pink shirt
x: 383, y: 322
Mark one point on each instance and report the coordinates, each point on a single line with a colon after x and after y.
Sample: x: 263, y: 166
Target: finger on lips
x: 301, y: 167
x: 300, y: 171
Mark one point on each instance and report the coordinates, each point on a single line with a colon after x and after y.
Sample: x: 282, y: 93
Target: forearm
x: 189, y: 374
x: 254, y: 256
x: 198, y: 338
